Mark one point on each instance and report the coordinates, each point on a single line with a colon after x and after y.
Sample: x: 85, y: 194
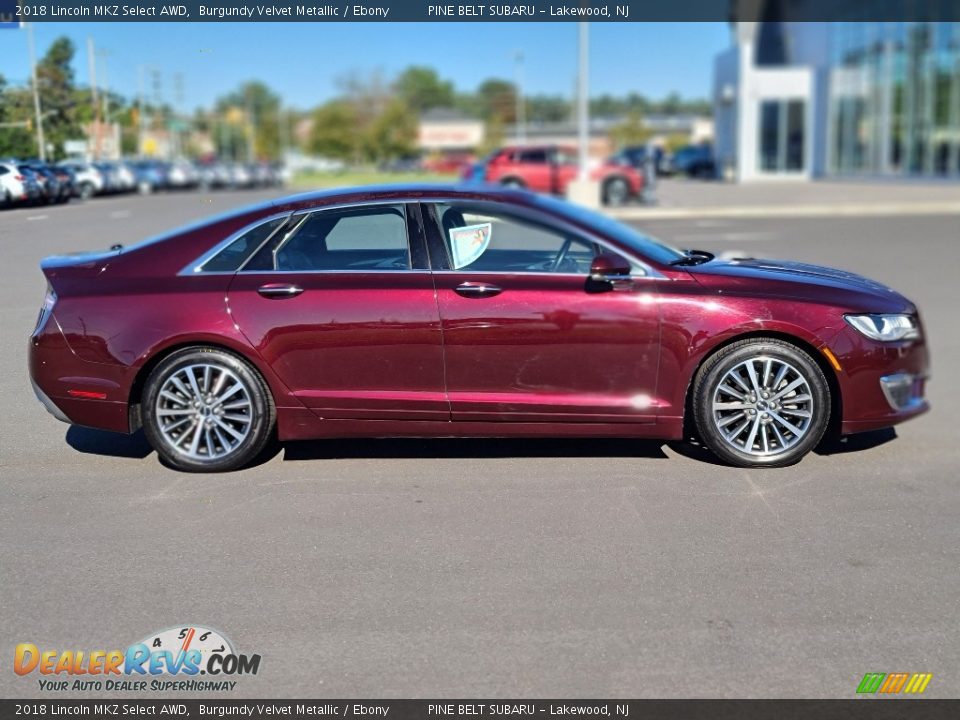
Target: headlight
x: 885, y: 328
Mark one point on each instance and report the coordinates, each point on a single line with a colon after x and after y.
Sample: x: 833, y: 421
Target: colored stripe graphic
x: 918, y: 683
x: 871, y: 682
x: 894, y: 683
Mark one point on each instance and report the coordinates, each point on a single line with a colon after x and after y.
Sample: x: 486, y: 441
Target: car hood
x: 800, y: 281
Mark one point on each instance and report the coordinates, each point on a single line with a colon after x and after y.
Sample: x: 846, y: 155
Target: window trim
x: 535, y: 217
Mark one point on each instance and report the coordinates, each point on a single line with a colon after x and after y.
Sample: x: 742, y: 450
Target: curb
x: 772, y: 211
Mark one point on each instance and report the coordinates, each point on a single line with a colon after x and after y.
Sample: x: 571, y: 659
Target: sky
x: 302, y: 61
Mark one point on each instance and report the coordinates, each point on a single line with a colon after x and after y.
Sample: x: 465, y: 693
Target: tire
x: 746, y: 429
x: 86, y: 190
x: 195, y: 434
x: 616, y: 192
x: 514, y: 183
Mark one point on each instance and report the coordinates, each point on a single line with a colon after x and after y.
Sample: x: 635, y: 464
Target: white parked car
x: 13, y: 185
x: 89, y: 180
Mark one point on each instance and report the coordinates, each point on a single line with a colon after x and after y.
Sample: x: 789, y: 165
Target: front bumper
x: 882, y: 384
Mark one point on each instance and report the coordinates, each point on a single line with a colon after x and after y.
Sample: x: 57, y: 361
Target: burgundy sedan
x: 454, y: 311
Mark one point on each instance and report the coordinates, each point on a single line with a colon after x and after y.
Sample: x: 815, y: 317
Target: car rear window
x: 232, y: 256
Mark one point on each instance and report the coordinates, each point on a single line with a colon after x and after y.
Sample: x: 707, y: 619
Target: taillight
x: 19, y: 178
x: 49, y: 301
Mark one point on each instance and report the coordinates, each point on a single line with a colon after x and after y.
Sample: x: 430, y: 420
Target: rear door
x: 341, y: 304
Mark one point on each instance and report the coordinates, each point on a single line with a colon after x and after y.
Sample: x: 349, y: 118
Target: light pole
x: 583, y: 106
x: 41, y: 143
x: 521, y: 111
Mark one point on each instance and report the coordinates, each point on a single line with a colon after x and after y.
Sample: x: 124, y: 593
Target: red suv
x: 550, y: 168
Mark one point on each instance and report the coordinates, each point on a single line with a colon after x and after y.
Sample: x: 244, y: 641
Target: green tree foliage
x: 14, y: 141
x: 335, y: 131
x: 422, y: 89
x: 631, y: 131
x: 393, y: 133
x: 497, y: 98
x: 250, y: 111
x: 57, y: 94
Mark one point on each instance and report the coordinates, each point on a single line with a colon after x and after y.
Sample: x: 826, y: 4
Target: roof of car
x: 403, y: 192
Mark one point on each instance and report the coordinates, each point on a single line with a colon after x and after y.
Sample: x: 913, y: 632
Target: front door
x: 341, y: 304
x: 527, y: 336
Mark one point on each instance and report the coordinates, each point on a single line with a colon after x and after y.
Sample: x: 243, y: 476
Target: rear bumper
x: 77, y: 391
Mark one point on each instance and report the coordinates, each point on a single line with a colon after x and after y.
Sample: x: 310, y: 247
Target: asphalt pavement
x: 496, y: 568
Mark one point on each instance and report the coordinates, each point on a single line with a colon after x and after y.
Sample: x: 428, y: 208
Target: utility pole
x: 521, y: 113
x: 583, y: 103
x: 140, y: 69
x: 92, y: 61
x: 178, y: 112
x: 105, y: 91
x: 41, y: 143
x: 251, y: 127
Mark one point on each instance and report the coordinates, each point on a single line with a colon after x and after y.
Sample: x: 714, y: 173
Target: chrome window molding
x: 195, y: 267
x: 649, y: 272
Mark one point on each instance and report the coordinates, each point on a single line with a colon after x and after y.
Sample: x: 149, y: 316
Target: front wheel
x: 761, y: 402
x: 206, y: 410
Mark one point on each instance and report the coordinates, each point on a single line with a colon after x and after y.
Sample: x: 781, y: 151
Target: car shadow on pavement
x: 111, y: 444
x: 855, y: 443
x: 463, y: 448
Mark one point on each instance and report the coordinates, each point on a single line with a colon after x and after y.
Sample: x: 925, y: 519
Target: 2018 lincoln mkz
x: 463, y: 311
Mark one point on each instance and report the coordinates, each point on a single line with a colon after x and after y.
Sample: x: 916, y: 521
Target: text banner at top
x: 18, y: 11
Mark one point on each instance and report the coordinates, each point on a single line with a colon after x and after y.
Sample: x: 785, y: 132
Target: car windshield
x: 645, y: 246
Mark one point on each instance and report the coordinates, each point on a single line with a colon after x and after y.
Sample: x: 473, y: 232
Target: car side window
x: 232, y: 256
x: 482, y: 240
x: 358, y: 239
x: 538, y: 157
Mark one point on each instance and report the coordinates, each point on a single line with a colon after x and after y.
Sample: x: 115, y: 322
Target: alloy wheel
x: 204, y: 411
x: 763, y: 406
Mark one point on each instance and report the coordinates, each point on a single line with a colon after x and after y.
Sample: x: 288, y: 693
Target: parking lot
x: 496, y: 568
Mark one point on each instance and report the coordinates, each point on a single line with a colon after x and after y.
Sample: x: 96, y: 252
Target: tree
x: 497, y: 98
x: 14, y: 141
x: 258, y: 117
x: 334, y: 133
x: 393, y: 133
x: 55, y: 85
x: 631, y: 131
x: 422, y: 89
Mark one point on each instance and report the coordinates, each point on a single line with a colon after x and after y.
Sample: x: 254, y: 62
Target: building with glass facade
x: 811, y: 99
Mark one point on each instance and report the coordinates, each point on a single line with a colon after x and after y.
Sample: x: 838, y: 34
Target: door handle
x: 477, y: 290
x: 278, y: 291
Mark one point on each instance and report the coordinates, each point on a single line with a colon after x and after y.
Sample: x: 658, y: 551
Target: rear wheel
x: 206, y: 410
x: 761, y: 402
x: 616, y: 191
x: 513, y: 183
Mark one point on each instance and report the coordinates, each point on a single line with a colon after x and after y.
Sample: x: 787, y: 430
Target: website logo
x: 186, y: 651
x: 894, y: 683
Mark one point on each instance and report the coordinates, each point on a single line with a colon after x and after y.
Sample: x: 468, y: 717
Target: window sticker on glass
x: 469, y: 243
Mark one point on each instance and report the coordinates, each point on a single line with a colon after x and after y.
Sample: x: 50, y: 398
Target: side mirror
x: 609, y: 268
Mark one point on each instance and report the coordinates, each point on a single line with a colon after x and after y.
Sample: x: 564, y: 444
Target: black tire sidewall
x: 717, y: 366
x: 263, y: 410
x: 616, y: 182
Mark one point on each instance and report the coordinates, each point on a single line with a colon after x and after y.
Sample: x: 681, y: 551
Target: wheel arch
x: 161, y: 353
x: 833, y: 382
